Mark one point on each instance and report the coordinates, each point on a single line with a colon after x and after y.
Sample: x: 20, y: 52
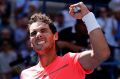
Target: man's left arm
x: 92, y: 58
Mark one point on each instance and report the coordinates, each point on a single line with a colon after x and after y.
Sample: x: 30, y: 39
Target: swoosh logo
x: 46, y: 74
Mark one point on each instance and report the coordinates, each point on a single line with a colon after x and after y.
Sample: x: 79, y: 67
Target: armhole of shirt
x: 73, y: 59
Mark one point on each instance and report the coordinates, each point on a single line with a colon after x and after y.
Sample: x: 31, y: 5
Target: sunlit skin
x: 43, y: 42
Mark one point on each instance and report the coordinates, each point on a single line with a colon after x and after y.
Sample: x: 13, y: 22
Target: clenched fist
x: 83, y: 10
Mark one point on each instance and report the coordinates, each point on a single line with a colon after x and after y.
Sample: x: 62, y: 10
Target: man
x: 43, y: 38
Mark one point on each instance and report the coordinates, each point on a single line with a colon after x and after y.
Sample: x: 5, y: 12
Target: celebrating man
x: 43, y: 37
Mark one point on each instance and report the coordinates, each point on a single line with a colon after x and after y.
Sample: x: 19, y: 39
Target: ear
x: 56, y: 36
x: 31, y: 45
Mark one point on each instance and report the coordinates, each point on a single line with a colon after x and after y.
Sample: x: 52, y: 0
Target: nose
x: 39, y: 35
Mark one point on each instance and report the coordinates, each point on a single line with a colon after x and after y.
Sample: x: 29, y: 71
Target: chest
x: 66, y: 71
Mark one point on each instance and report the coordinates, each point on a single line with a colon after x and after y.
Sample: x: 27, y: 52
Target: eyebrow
x: 40, y: 28
x: 44, y: 28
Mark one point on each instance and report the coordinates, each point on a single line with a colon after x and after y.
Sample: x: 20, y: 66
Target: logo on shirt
x: 46, y: 74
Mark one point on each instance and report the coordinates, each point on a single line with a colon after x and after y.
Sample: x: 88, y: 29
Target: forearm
x: 100, y: 53
x: 99, y: 44
x: 97, y: 39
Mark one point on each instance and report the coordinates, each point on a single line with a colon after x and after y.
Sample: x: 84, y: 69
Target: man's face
x: 41, y: 37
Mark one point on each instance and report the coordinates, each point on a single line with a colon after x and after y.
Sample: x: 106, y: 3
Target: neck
x: 47, y: 58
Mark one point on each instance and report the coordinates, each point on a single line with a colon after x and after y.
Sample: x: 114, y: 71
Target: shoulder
x: 71, y: 57
x: 28, y: 73
x: 74, y: 58
x: 30, y: 69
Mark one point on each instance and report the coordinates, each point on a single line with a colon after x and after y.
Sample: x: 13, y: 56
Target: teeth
x: 41, y: 42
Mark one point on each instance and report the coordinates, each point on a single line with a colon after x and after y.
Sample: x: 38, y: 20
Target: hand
x: 83, y: 10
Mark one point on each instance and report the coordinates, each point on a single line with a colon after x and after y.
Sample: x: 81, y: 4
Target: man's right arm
x: 24, y: 75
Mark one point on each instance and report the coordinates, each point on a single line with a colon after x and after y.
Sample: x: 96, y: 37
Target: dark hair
x: 39, y: 17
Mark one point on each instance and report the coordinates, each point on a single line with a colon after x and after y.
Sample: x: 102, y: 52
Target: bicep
x: 88, y: 60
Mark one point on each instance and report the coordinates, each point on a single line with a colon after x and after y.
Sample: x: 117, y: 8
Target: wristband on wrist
x: 90, y: 22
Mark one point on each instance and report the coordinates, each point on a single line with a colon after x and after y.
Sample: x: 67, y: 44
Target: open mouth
x: 39, y: 45
x: 40, y: 42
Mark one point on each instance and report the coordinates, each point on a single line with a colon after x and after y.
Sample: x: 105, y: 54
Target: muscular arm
x: 100, y: 51
x: 91, y: 59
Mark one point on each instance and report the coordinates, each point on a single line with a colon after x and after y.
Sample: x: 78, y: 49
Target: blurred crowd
x: 16, y: 53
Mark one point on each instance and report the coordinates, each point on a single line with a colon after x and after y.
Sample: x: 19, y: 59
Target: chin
x: 40, y: 51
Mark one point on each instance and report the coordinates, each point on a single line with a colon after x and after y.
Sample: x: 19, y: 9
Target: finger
x: 82, y: 5
x: 71, y: 12
x: 76, y: 5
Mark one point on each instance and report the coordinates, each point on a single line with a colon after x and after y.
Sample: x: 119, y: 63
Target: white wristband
x: 90, y: 22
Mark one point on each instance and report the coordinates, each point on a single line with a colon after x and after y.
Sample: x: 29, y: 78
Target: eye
x: 33, y: 33
x: 43, y: 30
